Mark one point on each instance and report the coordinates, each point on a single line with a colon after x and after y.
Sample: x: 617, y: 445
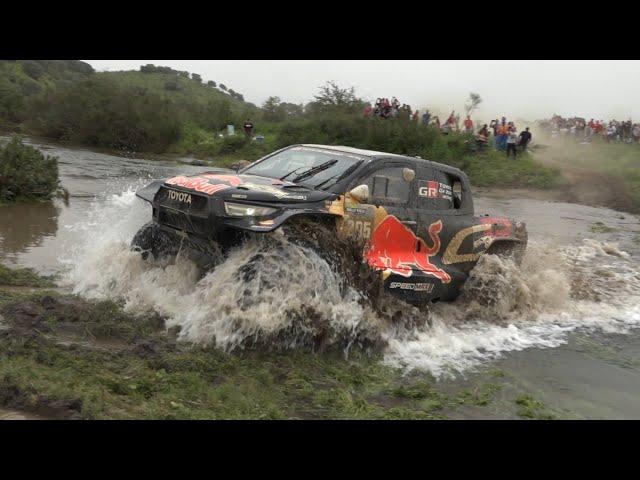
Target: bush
x: 171, y: 85
x: 232, y: 144
x: 33, y: 69
x: 100, y: 112
x: 26, y: 173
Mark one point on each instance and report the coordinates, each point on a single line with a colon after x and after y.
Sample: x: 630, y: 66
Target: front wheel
x: 151, y: 239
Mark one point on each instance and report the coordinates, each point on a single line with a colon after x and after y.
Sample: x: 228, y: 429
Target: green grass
x: 23, y: 277
x: 600, y: 227
x: 493, y: 168
x: 621, y: 161
x: 529, y: 407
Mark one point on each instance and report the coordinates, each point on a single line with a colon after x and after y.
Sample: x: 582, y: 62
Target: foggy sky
x: 527, y: 89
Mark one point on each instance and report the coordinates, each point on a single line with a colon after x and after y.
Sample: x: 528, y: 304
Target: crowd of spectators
x: 385, y: 108
x: 585, y: 131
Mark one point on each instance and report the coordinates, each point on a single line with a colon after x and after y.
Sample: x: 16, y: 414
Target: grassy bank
x: 604, y: 166
x: 64, y: 357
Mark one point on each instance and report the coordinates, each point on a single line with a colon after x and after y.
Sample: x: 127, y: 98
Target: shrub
x: 171, y: 85
x: 33, y: 69
x: 100, y: 112
x: 26, y: 173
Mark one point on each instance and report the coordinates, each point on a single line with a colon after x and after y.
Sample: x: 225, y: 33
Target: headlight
x: 243, y: 210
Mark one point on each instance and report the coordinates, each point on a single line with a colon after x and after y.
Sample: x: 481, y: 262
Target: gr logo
x: 430, y: 190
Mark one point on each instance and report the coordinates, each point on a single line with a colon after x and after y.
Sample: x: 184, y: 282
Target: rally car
x: 414, y: 218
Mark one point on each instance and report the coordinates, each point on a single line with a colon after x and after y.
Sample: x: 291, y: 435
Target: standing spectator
x: 482, y: 138
x: 416, y: 116
x: 503, y: 133
x: 525, y: 138
x: 426, y: 116
x: 494, y: 126
x: 512, y: 140
x: 436, y: 120
x: 451, y: 121
x: 468, y: 125
x: 248, y: 128
x: 367, y: 110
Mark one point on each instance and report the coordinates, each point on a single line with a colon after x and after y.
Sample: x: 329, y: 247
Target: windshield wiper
x: 312, y: 171
x: 339, y: 177
x: 290, y: 173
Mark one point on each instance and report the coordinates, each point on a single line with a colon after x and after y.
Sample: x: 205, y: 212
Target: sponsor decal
x: 296, y: 197
x: 199, y: 184
x: 238, y: 195
x: 490, y: 228
x: 416, y: 287
x: 433, y: 189
x: 396, y: 249
x: 203, y: 183
x: 357, y: 210
x: 180, y: 196
x: 276, y: 192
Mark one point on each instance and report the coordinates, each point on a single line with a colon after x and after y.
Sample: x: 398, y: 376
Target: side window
x: 388, y: 186
x: 436, y: 191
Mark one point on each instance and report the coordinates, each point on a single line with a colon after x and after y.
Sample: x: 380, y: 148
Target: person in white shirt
x: 512, y: 141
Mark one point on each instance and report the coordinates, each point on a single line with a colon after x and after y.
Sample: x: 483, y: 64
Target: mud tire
x: 510, y: 250
x: 151, y: 239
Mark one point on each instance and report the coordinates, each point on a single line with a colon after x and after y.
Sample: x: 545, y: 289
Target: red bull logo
x: 203, y: 183
x: 396, y: 249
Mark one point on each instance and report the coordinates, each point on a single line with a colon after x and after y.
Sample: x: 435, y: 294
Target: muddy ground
x: 62, y: 357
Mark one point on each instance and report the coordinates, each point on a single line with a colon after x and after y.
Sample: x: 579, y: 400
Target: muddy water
x: 577, y: 352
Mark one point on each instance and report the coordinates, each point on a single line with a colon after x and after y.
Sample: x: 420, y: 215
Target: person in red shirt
x: 415, y: 116
x: 468, y: 124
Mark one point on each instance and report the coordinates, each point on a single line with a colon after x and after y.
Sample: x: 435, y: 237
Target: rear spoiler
x: 148, y: 193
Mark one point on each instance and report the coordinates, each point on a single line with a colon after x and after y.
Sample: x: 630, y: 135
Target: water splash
x: 273, y: 293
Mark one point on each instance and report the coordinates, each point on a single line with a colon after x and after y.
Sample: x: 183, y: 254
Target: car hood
x: 229, y: 185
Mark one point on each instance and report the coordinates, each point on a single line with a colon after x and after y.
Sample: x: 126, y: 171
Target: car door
x: 443, y: 204
x: 391, y: 192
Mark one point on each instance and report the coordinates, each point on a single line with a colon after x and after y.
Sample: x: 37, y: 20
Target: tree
x: 331, y: 96
x: 223, y: 87
x: 271, y: 109
x: 196, y: 77
x: 148, y: 68
x: 474, y: 101
x: 211, y: 83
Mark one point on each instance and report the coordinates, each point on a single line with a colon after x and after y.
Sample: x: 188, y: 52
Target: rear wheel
x: 508, y: 249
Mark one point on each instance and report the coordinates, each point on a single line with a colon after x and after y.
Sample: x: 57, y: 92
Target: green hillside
x: 152, y: 109
x: 21, y: 80
x: 178, y: 88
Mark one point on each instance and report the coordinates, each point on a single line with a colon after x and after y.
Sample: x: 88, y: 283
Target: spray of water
x: 273, y: 293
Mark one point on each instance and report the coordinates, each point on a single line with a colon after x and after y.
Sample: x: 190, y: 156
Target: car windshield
x: 308, y: 166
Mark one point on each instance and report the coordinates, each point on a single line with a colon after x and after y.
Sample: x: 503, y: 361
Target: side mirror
x: 360, y: 193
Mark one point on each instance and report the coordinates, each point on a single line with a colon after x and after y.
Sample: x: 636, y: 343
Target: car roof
x: 375, y: 154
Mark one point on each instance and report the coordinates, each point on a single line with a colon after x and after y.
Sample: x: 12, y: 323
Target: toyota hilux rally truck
x: 414, y: 217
